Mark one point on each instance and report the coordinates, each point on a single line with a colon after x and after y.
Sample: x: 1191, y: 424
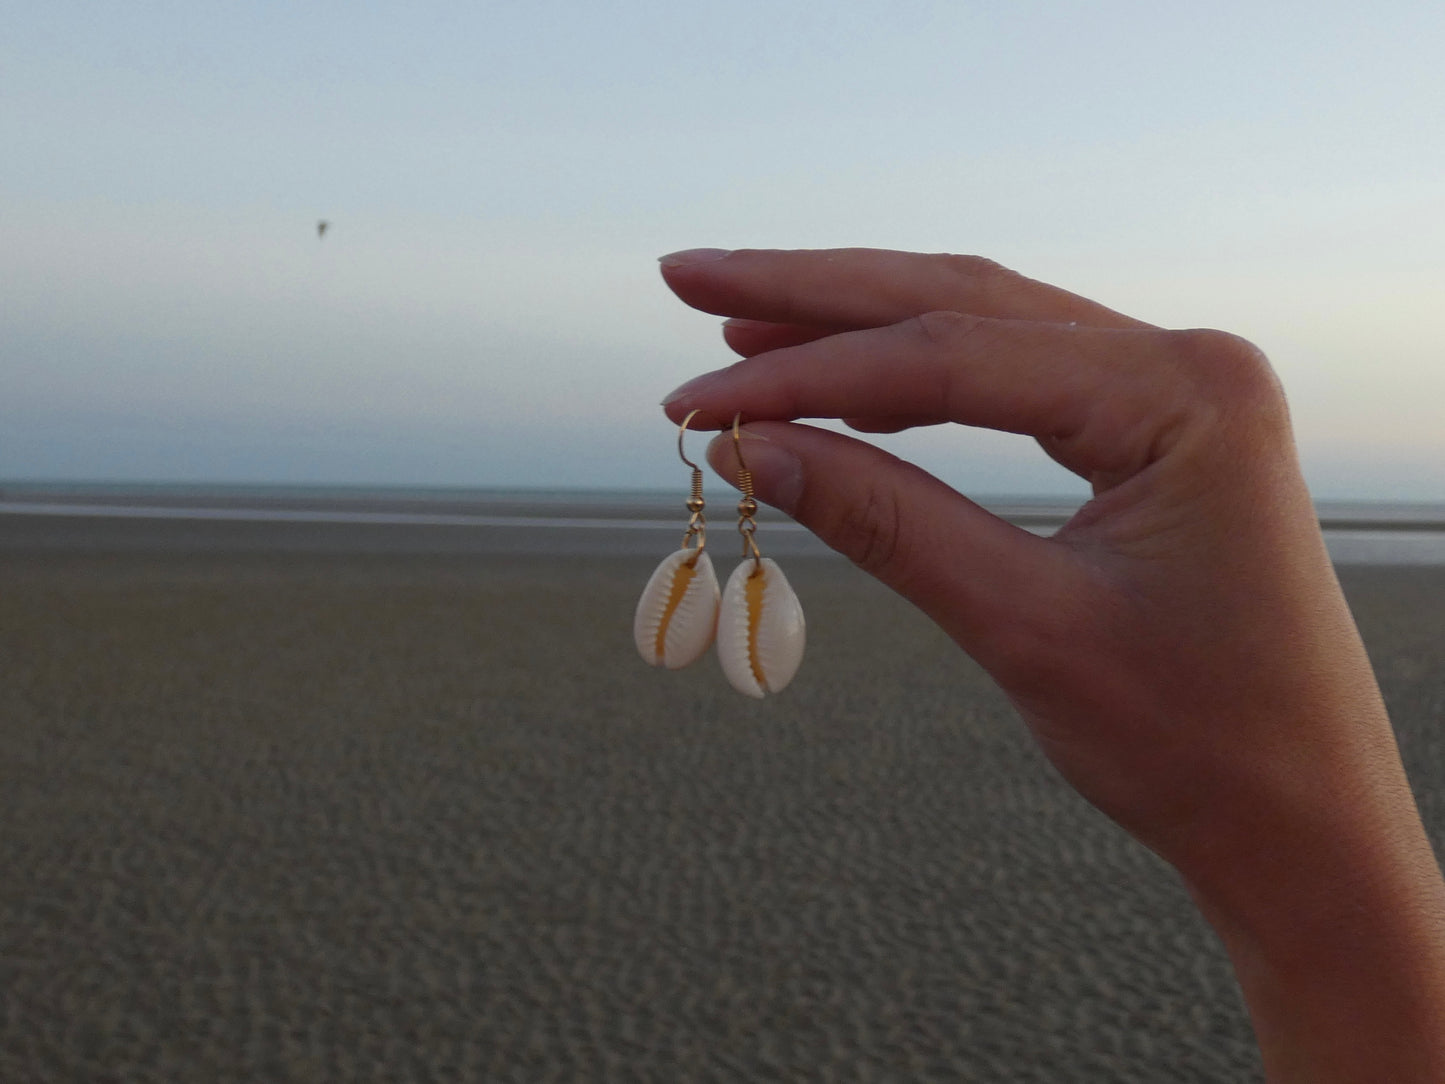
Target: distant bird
x: 322, y: 227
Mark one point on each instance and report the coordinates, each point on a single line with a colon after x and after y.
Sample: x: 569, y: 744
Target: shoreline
x: 1377, y: 535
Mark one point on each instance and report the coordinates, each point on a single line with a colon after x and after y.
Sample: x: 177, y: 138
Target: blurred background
x: 499, y: 178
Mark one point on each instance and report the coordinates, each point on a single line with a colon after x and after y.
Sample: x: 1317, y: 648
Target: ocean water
x: 72, y: 515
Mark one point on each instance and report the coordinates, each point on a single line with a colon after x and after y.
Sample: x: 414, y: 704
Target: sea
x: 222, y: 518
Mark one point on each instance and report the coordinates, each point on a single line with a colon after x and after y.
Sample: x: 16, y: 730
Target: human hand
x: 1180, y: 649
x: 1131, y: 640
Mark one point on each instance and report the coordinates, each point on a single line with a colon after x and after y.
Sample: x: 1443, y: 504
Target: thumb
x: 970, y: 571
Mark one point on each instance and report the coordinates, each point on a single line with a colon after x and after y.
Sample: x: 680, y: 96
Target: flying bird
x: 322, y: 227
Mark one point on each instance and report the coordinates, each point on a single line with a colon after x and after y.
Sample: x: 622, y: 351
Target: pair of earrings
x: 757, y: 622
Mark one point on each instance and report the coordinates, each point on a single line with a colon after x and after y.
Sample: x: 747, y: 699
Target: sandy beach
x: 427, y: 817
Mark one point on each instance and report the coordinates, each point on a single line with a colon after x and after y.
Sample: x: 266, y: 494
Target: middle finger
x: 1102, y: 398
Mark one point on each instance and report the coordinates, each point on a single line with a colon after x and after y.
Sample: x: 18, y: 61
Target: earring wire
x: 696, y: 534
x: 748, y: 506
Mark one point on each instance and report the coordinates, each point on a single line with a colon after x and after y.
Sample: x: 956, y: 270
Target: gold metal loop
x: 748, y: 506
x: 682, y: 432
x: 696, y: 534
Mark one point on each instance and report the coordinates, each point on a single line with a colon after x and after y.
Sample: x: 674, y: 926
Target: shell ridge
x: 691, y: 609
x: 781, y: 633
x: 650, y: 608
x: 756, y: 591
x: 676, y: 616
x: 678, y: 586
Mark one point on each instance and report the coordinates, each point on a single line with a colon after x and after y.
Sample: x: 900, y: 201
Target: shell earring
x: 676, y: 617
x: 761, y: 633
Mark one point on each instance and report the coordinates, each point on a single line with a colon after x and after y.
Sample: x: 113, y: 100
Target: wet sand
x: 394, y: 817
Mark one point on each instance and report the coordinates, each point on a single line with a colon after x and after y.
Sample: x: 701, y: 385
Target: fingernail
x: 692, y: 387
x: 693, y: 255
x: 777, y: 472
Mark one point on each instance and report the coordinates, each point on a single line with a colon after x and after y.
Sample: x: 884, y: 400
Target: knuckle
x: 871, y: 529
x: 1232, y: 374
x: 943, y: 328
x: 993, y: 283
x: 974, y: 268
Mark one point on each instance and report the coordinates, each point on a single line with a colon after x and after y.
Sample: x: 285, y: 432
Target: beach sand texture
x: 398, y: 817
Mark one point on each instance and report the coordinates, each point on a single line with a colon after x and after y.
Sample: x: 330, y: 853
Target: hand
x: 1131, y: 640
x: 1180, y: 649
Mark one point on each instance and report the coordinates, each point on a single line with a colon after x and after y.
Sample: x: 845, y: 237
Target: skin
x: 1180, y: 650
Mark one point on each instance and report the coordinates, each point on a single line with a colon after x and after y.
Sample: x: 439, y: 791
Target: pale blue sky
x: 501, y: 177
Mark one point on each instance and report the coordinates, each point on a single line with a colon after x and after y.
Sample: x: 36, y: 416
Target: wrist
x: 1333, y: 914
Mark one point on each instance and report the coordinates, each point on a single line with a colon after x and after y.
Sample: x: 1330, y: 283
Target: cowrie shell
x: 676, y: 616
x: 760, y: 633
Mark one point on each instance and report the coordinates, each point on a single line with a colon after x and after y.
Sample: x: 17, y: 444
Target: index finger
x: 851, y: 288
x: 1102, y: 398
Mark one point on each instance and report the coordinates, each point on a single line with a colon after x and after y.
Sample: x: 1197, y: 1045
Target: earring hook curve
x: 738, y: 445
x: 682, y: 432
x: 695, y: 538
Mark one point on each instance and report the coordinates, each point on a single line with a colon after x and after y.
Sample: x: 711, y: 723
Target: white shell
x: 760, y: 632
x: 677, y: 614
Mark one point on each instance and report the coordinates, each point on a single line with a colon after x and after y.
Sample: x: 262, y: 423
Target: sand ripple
x: 428, y: 819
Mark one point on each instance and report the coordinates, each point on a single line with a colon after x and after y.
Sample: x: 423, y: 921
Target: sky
x: 500, y: 177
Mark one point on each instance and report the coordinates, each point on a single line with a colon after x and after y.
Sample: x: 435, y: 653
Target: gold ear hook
x: 748, y: 506
x: 697, y: 522
x: 682, y: 432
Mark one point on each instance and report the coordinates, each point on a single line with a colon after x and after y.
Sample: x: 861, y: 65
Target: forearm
x: 1335, y: 922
